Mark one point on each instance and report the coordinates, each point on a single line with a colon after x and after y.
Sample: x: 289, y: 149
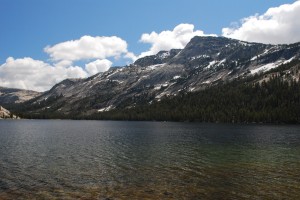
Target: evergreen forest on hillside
x: 275, y: 101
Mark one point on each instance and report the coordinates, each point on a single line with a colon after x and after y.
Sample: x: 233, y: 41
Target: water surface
x: 61, y: 159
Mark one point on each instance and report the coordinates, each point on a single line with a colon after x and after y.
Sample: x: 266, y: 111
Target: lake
x: 65, y: 159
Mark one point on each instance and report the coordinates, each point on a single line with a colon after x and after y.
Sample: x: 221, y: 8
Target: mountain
x: 11, y: 96
x: 203, y: 63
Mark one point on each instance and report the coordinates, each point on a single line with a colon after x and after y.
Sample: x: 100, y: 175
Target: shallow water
x: 61, y: 159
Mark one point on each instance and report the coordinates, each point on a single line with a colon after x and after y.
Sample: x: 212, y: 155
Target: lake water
x: 61, y: 159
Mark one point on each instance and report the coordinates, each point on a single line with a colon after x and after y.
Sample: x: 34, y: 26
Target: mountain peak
x: 217, y: 48
x: 213, y: 40
x: 160, y: 58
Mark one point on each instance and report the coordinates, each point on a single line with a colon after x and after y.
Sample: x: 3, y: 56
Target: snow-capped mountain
x: 205, y: 61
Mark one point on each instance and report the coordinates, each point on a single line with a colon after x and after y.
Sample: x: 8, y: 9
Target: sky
x: 43, y: 42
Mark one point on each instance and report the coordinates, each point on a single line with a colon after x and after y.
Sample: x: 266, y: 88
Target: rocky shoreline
x: 6, y: 114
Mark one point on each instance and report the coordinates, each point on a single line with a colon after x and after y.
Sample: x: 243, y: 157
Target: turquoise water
x: 61, y: 159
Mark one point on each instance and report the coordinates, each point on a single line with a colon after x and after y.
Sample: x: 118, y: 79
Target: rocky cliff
x: 6, y: 114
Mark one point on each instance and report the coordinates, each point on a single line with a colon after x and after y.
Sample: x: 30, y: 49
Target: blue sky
x: 27, y: 27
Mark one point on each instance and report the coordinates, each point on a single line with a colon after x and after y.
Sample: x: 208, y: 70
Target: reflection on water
x: 147, y: 160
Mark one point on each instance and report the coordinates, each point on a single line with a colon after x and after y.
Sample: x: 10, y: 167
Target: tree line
x: 273, y: 101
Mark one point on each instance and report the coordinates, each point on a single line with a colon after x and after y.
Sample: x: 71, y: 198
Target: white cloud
x: 166, y: 40
x: 98, y: 66
x: 131, y: 56
x: 27, y: 73
x: 63, y: 63
x: 277, y: 26
x: 88, y: 47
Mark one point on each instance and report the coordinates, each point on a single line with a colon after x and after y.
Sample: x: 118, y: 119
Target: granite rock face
x: 6, y: 114
x: 11, y: 96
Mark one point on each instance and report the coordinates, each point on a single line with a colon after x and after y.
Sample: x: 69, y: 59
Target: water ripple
x: 147, y: 160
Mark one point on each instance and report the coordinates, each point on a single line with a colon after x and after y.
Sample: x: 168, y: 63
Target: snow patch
x: 207, y: 82
x: 108, y: 108
x: 264, y: 68
x: 262, y: 54
x: 210, y: 64
x: 119, y: 82
x: 153, y: 67
x: 270, y: 66
x: 158, y: 97
x: 159, y: 86
x: 289, y: 60
x: 118, y: 70
x: 176, y: 77
x: 222, y: 61
x: 254, y: 58
x: 200, y: 56
x: 164, y: 55
x: 96, y: 77
x: 191, y: 89
x: 245, y: 43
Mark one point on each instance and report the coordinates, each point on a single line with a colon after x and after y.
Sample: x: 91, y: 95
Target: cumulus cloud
x: 98, y: 66
x: 131, y: 56
x: 277, y: 26
x: 27, y: 73
x: 166, y: 40
x: 87, y: 47
x: 63, y: 63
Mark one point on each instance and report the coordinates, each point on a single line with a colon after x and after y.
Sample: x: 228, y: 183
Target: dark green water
x: 148, y: 160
